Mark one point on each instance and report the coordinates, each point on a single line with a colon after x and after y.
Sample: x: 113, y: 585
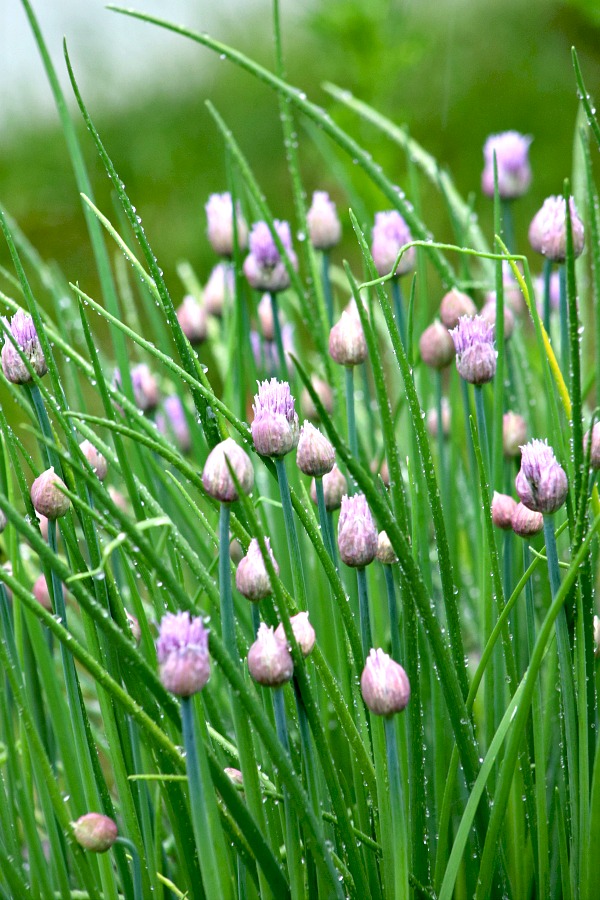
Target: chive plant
x: 164, y: 734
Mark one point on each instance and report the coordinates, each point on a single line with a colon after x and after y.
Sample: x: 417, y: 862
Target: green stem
x: 441, y: 438
x: 291, y: 533
x: 508, y: 225
x: 365, y: 618
x: 564, y: 323
x: 283, y: 366
x: 137, y: 868
x: 482, y: 428
x: 399, y: 309
x: 350, y: 413
x: 327, y: 288
x: 292, y: 842
x: 547, y: 283
x: 227, y: 613
x: 323, y: 519
x: 393, y: 613
x: 398, y: 813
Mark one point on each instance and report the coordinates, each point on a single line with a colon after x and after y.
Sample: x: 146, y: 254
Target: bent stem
x: 137, y: 868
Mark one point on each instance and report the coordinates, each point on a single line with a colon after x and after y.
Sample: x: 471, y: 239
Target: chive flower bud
x: 251, y: 577
x: 455, y: 304
x: 26, y: 337
x: 265, y: 317
x: 548, y: 229
x: 503, y: 508
x: 347, y: 344
x: 145, y: 387
x: 315, y: 455
x: 95, y: 832
x: 264, y: 267
x: 134, y: 625
x: 514, y: 433
x: 236, y: 551
x: 390, y: 234
x: 218, y: 290
x: 357, y: 534
x: 324, y: 229
x: 269, y: 660
x: 512, y: 162
x: 385, y: 552
x: 335, y: 487
x: 432, y: 419
x: 234, y: 776
x: 216, y: 476
x: 525, y: 522
x: 323, y: 392
x: 182, y: 652
x: 47, y: 497
x: 174, y: 421
x: 488, y: 314
x: 41, y: 593
x: 384, y: 473
x: 541, y: 482
x: 95, y: 459
x: 513, y: 295
x: 594, y: 435
x: 275, y: 429
x: 384, y: 684
x: 191, y: 316
x: 219, y: 216
x: 303, y: 632
x: 437, y: 346
x: 475, y: 354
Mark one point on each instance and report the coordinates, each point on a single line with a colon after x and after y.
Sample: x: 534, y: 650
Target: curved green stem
x: 137, y: 868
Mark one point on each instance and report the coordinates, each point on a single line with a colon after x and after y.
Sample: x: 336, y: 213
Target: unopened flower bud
x: 526, y: 522
x: 234, y: 775
x: 384, y: 473
x: 455, y: 304
x: 251, y: 577
x: 264, y: 267
x: 514, y: 433
x: 513, y: 296
x: 95, y: 832
x: 347, y: 344
x: 275, y: 429
x: 182, y: 652
x: 548, y: 229
x: 324, y: 229
x: 134, y: 625
x: 174, y: 421
x: 432, y: 419
x: 357, y: 534
x: 303, y: 632
x: 475, y: 354
x: 41, y: 593
x: 191, y: 316
x: 384, y: 684
x: 265, y: 317
x: 335, y: 487
x: 503, y: 508
x: 47, y: 497
x: 269, y: 660
x: 219, y: 289
x: 541, y: 482
x: 385, y: 552
x: 315, y: 455
x: 219, y: 216
x: 323, y: 392
x: 118, y: 499
x: 22, y: 329
x: 216, y: 477
x: 236, y: 551
x: 488, y: 314
x: 594, y: 451
x: 390, y: 234
x: 145, y: 387
x: 512, y: 164
x: 95, y: 459
x: 437, y: 346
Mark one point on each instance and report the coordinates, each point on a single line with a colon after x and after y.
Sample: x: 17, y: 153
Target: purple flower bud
x: 95, y: 459
x: 540, y: 288
x: 514, y: 433
x: 385, y: 552
x: 95, y: 832
x: 191, y: 316
x: 219, y: 289
x: 182, y: 652
x: 145, y: 387
x: 265, y: 317
x: 347, y: 344
x: 526, y: 522
x: 335, y: 487
x: 357, y: 534
x: 548, y: 229
x: 595, y: 448
x: 541, y: 483
x: 219, y: 215
x: 488, y: 314
x: 303, y: 632
x: 47, y: 497
x: 234, y: 775
x: 23, y: 331
x: 503, y: 508
x: 251, y: 578
x: 475, y: 355
x: 275, y: 427
x: 216, y: 476
x: 323, y: 392
x: 264, y: 267
x: 384, y: 684
x: 390, y: 234
x: 269, y: 660
x: 432, y: 419
x: 315, y: 455
x: 236, y: 551
x: 512, y: 161
x: 454, y: 306
x: 324, y: 227
x: 513, y: 296
x: 118, y: 499
x: 174, y: 421
x: 436, y: 346
x: 41, y: 593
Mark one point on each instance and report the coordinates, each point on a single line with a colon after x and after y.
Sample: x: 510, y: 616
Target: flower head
x: 357, y: 534
x: 475, y: 354
x: 219, y: 289
x: 219, y: 215
x: 216, y: 477
x: 95, y: 459
x: 275, y: 427
x: 23, y: 331
x: 390, y: 234
x: 182, y: 652
x: 548, y: 229
x: 385, y: 552
x: 303, y: 632
x: 251, y: 577
x: 335, y: 487
x: 384, y: 684
x: 191, y: 316
x: 263, y: 267
x: 47, y: 496
x: 454, y: 305
x: 324, y: 227
x: 95, y: 832
x: 347, y: 343
x: 503, y: 508
x: 525, y: 522
x: 512, y: 160
x: 269, y: 659
x: 436, y: 346
x: 315, y: 455
x: 541, y: 483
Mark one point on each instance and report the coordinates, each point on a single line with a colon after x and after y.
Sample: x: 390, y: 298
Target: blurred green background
x: 453, y: 71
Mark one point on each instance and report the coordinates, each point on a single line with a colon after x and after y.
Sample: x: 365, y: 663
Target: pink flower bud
x: 488, y: 314
x: 219, y: 289
x: 265, y: 317
x: 303, y: 632
x: 514, y: 433
x: 264, y: 267
x: 390, y: 234
x: 595, y: 448
x: 335, y: 487
x: 512, y: 164
x: 22, y: 329
x: 251, y: 578
x: 347, y: 344
x: 95, y: 459
x: 41, y: 593
x: 95, y: 832
x: 269, y: 660
x: 475, y: 354
x: 454, y: 306
x: 47, y: 497
x: 432, y: 419
x: 541, y: 482
x: 219, y: 215
x: 526, y: 522
x: 325, y: 395
x: 191, y: 316
x: 182, y: 652
x: 384, y: 684
x: 315, y: 455
x: 385, y: 552
x: 548, y: 229
x: 275, y: 428
x: 216, y: 476
x: 324, y: 227
x: 503, y: 508
x: 437, y: 346
x: 357, y: 534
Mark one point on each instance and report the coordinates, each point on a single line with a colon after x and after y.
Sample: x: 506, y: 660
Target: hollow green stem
x: 399, y: 309
x: 547, y: 282
x: 283, y: 366
x: 365, y: 617
x: 508, y: 225
x: 393, y: 613
x: 327, y: 288
x: 323, y: 520
x: 291, y: 533
x: 482, y: 427
x: 350, y: 413
x: 440, y: 436
x: 564, y: 322
x: 398, y: 812
x: 137, y: 868
x: 227, y: 613
x: 292, y: 841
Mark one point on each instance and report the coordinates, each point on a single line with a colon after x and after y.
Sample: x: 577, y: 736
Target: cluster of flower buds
x: 357, y: 534
x: 384, y: 684
x: 216, y: 475
x: 390, y: 234
x: 509, y: 515
x: 220, y: 222
x: 548, y: 229
x: 511, y: 150
x: 275, y: 428
x: 182, y: 652
x: 251, y: 577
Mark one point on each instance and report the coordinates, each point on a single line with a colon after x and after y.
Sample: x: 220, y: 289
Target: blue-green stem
x: 464, y: 389
x: 255, y: 619
x: 564, y: 322
x: 365, y: 617
x: 547, y: 282
x: 215, y: 881
x: 393, y: 613
x: 441, y: 437
x: 291, y: 533
x: 137, y: 868
x: 331, y: 527
x: 292, y: 842
x: 227, y: 614
x: 399, y: 309
x: 323, y: 519
x: 398, y: 812
x: 482, y: 428
x: 327, y: 288
x: 40, y: 410
x: 283, y: 366
x: 508, y: 225
x: 350, y: 414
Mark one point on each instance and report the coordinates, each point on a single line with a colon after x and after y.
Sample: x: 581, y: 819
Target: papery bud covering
x: 315, y: 455
x: 347, y: 343
x: 182, y: 652
x: 512, y: 163
x: 269, y: 659
x: 335, y: 487
x: 503, y: 508
x: 385, y: 552
x: 390, y: 234
x: 191, y: 316
x: 384, y: 684
x: 47, y: 497
x: 95, y: 459
x: 263, y: 267
x: 548, y: 229
x: 216, y: 477
x: 23, y: 331
x: 275, y: 429
x: 541, y: 482
x: 526, y: 522
x: 455, y: 304
x: 251, y: 577
x: 219, y: 216
x: 303, y: 632
x: 475, y: 354
x: 514, y: 433
x: 95, y: 832
x: 437, y: 346
x: 324, y: 229
x: 357, y: 534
